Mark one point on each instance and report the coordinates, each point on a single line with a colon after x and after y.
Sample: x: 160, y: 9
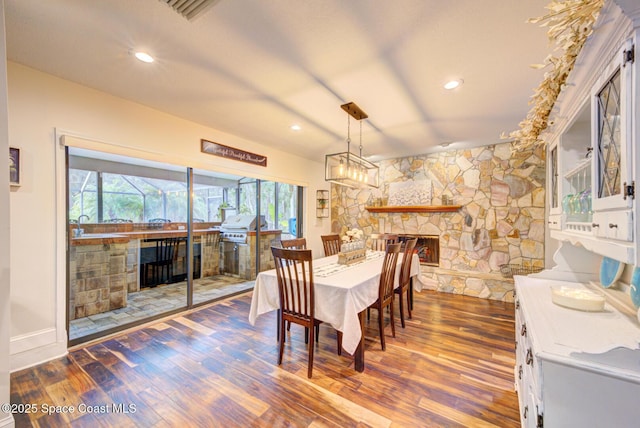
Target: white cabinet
x: 594, y: 143
x: 574, y: 368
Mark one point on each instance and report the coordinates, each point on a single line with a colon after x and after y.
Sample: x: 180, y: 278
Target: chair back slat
x: 331, y: 244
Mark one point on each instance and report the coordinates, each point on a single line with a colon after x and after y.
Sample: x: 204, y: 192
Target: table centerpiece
x: 353, y: 248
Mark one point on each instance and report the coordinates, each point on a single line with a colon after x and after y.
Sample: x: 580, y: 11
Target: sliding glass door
x: 216, y: 262
x: 145, y: 238
x: 127, y: 228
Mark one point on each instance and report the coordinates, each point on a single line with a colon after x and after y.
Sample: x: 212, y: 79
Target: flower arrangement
x: 352, y: 235
x: 352, y: 249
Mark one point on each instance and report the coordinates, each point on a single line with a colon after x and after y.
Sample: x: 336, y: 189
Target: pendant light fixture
x: 346, y: 168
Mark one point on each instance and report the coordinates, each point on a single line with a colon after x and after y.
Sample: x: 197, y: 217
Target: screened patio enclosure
x: 142, y: 194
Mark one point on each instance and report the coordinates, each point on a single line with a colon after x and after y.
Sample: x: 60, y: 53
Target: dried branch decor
x: 570, y: 23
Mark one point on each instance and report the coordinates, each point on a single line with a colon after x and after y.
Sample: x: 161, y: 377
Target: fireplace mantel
x: 415, y: 209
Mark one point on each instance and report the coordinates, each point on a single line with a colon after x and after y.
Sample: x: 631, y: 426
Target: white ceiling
x: 253, y: 68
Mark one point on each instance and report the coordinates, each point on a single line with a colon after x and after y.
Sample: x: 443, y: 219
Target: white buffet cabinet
x: 575, y: 368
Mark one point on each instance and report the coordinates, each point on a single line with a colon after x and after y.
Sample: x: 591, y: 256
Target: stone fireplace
x: 427, y: 247
x: 499, y: 199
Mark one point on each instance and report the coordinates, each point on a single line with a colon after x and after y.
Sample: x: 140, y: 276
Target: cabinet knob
x: 520, y: 372
x: 517, y: 304
x: 529, y: 357
x: 613, y: 226
x: 526, y: 411
x: 523, y: 331
x: 595, y: 225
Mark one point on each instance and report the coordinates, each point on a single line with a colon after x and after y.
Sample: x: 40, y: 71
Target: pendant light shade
x: 349, y: 169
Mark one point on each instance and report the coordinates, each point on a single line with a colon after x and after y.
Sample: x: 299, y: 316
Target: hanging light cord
x: 348, y: 132
x: 360, y: 138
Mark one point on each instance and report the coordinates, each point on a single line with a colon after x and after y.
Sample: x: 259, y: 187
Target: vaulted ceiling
x: 253, y: 68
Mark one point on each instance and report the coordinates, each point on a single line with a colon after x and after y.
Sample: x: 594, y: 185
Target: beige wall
x: 42, y: 106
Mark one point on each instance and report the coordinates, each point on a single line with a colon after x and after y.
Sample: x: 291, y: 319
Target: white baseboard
x: 7, y: 421
x: 35, y: 348
x: 36, y: 339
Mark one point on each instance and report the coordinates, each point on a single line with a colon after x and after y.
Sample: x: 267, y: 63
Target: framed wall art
x: 408, y: 193
x: 14, y: 166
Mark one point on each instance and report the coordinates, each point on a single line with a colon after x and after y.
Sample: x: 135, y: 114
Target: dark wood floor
x: 451, y: 366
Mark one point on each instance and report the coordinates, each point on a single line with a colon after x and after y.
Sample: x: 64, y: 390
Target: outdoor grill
x: 235, y: 228
x: 233, y: 234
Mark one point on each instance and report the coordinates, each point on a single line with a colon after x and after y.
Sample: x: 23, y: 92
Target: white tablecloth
x: 340, y: 296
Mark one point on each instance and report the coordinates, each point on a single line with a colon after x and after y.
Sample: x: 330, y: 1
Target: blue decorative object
x: 635, y: 287
x: 610, y: 271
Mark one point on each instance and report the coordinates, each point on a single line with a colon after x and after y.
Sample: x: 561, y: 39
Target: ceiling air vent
x: 190, y: 9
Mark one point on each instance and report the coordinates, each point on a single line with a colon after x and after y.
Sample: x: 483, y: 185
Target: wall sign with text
x: 227, y: 152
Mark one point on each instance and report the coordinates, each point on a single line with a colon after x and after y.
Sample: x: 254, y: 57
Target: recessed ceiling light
x: 296, y: 127
x: 144, y: 57
x: 452, y: 84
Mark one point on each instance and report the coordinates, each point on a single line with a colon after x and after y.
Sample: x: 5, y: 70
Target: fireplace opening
x: 427, y: 247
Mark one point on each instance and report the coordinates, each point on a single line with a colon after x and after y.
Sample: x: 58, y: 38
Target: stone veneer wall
x: 247, y: 255
x: 98, y: 279
x: 501, y: 221
x: 210, y: 254
x: 133, y: 276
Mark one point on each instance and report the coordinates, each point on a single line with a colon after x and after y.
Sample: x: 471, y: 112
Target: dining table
x: 343, y: 292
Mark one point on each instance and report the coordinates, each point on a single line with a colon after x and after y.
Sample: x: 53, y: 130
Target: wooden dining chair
x: 162, y: 264
x: 294, y: 269
x: 294, y: 244
x: 404, y: 280
x: 331, y: 244
x: 385, y: 290
x: 379, y: 241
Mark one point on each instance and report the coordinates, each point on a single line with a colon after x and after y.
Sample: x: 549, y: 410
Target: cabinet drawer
x: 616, y: 225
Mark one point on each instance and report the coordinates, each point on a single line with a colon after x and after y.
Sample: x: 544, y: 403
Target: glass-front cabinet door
x: 574, y: 184
x: 611, y: 138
